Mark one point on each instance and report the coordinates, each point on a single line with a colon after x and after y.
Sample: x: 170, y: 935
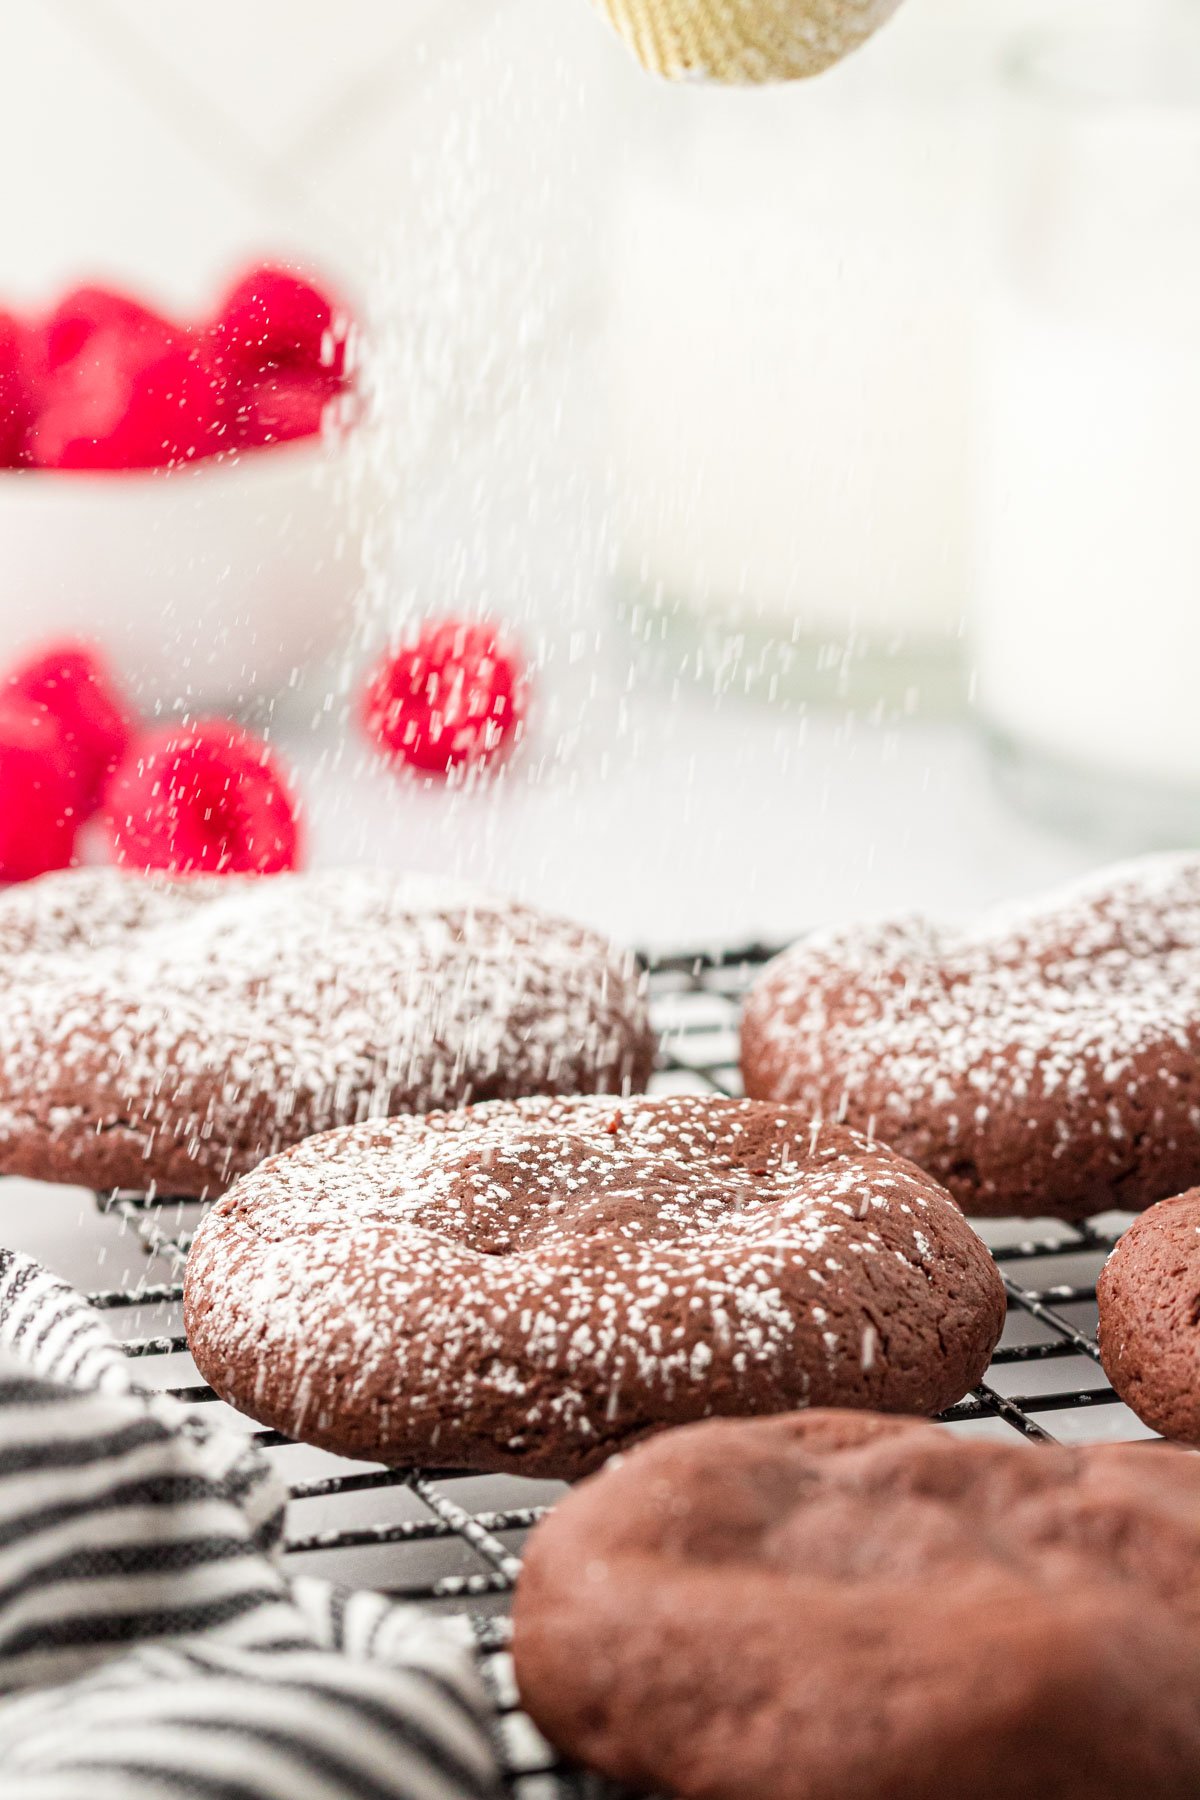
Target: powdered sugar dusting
x: 532, y: 1283
x: 190, y: 1028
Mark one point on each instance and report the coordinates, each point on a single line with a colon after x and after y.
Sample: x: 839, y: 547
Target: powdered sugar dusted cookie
x: 1047, y: 1062
x: 178, y: 1032
x: 838, y: 1606
x: 531, y: 1285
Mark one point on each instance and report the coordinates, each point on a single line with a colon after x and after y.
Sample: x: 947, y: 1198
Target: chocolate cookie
x: 530, y: 1286
x: 1046, y: 1063
x: 837, y: 1606
x: 175, y: 1033
x: 1149, y: 1295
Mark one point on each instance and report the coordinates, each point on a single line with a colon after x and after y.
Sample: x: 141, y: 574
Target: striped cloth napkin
x: 151, y: 1647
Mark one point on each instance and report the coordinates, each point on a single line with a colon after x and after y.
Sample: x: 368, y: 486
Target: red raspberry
x: 129, y: 404
x: 15, y: 407
x: 206, y: 798
x: 38, y: 821
x: 452, y: 697
x: 72, y: 685
x: 273, y: 319
x: 281, y: 407
x: 88, y: 312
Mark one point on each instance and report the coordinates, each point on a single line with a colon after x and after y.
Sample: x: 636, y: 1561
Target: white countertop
x: 704, y: 821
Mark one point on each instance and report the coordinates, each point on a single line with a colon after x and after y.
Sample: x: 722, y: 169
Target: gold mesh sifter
x: 744, y: 41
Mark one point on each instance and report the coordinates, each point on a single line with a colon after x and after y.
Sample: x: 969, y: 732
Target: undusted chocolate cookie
x: 1149, y: 1294
x: 175, y: 1033
x: 529, y: 1286
x: 836, y: 1606
x: 1046, y: 1063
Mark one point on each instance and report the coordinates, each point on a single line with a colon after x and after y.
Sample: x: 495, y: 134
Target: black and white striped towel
x: 151, y: 1647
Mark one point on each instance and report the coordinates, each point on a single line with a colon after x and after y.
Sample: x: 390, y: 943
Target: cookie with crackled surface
x: 1149, y: 1332
x: 1046, y: 1062
x: 529, y: 1286
x: 173, y: 1033
x: 837, y: 1606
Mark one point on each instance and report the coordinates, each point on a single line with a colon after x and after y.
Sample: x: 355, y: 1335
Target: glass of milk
x: 1086, y: 616
x: 797, y: 279
x: 794, y: 282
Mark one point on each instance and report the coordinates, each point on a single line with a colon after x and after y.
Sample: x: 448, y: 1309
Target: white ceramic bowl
x: 210, y: 583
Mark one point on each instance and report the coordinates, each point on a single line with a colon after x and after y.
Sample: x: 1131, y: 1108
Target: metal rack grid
x: 452, y: 1541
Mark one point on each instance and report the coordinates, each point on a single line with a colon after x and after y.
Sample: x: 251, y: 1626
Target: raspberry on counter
x: 72, y: 685
x: 452, y: 697
x: 206, y: 798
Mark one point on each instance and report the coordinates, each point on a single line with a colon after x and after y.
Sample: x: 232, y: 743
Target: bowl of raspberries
x: 178, y: 489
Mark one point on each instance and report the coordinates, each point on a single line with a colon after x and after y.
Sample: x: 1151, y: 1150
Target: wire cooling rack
x: 452, y: 1541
